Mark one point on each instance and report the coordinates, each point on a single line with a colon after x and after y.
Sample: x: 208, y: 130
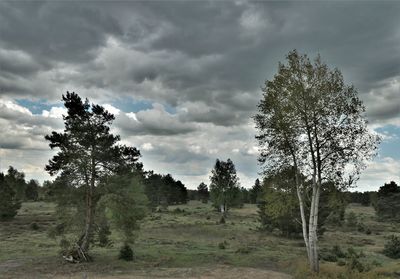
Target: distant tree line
x: 366, y: 198
x: 278, y: 205
x: 13, y: 190
x: 164, y: 190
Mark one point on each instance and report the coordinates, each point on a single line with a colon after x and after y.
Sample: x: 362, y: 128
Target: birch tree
x: 309, y: 119
x: 224, y: 185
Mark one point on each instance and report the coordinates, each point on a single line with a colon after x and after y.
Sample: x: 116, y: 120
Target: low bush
x: 103, y: 235
x: 392, y: 247
x: 34, y: 226
x: 222, y: 245
x: 351, y: 220
x: 126, y: 253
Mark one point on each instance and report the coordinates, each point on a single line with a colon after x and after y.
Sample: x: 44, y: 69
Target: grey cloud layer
x: 206, y: 60
x: 181, y: 52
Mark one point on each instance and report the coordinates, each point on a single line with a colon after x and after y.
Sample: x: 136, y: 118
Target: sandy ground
x: 9, y: 270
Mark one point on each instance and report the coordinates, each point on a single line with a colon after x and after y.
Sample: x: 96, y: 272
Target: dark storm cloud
x: 59, y: 31
x: 184, y: 53
x: 155, y: 121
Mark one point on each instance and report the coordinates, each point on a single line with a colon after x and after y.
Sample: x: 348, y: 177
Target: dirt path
x: 218, y: 271
x: 9, y: 265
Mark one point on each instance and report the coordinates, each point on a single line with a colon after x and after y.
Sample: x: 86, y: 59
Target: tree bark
x: 85, y: 242
x: 84, y: 245
x: 303, y: 217
x: 313, y: 226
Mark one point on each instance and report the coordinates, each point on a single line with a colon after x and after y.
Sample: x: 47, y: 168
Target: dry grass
x: 185, y: 244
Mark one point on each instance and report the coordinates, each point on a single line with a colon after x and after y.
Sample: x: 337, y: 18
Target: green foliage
x: 244, y: 196
x: 354, y: 260
x: 104, y: 233
x: 255, y: 194
x: 16, y: 180
x: 34, y: 226
x: 335, y: 254
x: 351, y: 220
x: 164, y: 190
x: 309, y: 119
x: 392, y: 247
x: 64, y: 245
x: 279, y: 205
x: 223, y: 245
x: 124, y: 204
x: 387, y: 204
x: 9, y: 204
x: 32, y: 190
x: 224, y: 187
x: 363, y: 198
x: 203, y: 193
x: 88, y: 154
x: 281, y: 209
x: 126, y: 253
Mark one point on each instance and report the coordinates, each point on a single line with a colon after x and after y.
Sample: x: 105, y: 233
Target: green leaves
x: 307, y: 112
x: 224, y: 186
x: 124, y: 204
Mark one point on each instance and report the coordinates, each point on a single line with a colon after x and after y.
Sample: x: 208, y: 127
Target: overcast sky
x: 183, y: 77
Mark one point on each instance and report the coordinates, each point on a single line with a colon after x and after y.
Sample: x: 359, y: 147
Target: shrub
x: 126, y: 253
x: 361, y: 227
x: 222, y: 220
x: 338, y: 252
x: 332, y: 255
x: 178, y: 210
x: 9, y: 203
x: 244, y: 250
x: 222, y: 245
x: 64, y: 245
x: 34, y: 226
x: 351, y: 219
x: 353, y: 261
x: 392, y: 247
x: 104, y: 232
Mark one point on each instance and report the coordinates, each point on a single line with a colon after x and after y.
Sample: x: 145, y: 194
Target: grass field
x: 189, y: 243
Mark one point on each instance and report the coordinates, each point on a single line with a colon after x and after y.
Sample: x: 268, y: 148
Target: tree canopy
x: 224, y: 185
x: 9, y: 203
x: 88, y: 154
x: 311, y: 120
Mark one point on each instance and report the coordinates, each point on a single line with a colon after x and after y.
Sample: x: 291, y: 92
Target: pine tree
x: 87, y: 155
x: 32, y: 190
x: 9, y: 204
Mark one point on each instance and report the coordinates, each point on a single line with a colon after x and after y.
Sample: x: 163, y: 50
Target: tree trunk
x: 303, y: 218
x: 313, y: 224
x: 88, y: 226
x: 87, y: 235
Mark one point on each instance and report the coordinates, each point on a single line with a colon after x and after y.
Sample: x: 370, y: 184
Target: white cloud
x: 147, y: 146
x: 13, y: 106
x: 378, y: 172
x: 111, y: 109
x: 55, y: 112
x: 154, y: 121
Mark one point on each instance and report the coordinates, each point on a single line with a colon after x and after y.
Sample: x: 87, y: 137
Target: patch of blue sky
x: 132, y: 105
x: 390, y: 145
x: 37, y: 106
